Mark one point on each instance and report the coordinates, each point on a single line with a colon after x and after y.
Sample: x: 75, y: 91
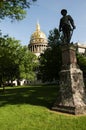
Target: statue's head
x: 63, y: 12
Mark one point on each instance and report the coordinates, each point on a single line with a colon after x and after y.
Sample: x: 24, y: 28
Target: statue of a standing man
x: 66, y: 26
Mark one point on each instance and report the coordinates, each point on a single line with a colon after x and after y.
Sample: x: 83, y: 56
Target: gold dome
x: 38, y: 36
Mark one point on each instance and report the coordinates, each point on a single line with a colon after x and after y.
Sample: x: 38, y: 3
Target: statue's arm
x: 71, y: 21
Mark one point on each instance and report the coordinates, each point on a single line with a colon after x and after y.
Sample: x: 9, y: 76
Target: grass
x: 28, y: 108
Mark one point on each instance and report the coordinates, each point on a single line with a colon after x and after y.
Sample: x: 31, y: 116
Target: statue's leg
x: 68, y: 36
x: 65, y: 36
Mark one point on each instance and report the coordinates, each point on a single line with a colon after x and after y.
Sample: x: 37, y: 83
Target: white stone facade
x: 81, y: 48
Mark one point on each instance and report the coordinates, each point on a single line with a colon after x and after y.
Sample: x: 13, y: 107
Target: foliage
x: 27, y: 64
x: 8, y: 65
x: 81, y: 60
x: 54, y: 37
x: 14, y: 9
x: 16, y: 61
x: 50, y: 61
x: 28, y: 108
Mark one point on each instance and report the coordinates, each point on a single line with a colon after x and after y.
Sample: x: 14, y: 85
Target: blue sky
x: 47, y: 12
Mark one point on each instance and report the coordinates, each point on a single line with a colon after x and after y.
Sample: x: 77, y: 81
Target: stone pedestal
x: 72, y: 97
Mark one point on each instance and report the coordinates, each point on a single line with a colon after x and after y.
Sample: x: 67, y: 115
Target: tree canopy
x: 16, y: 61
x: 14, y: 9
x: 81, y: 60
x: 50, y: 61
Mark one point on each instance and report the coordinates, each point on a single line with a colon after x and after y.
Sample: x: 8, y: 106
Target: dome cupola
x: 38, y: 36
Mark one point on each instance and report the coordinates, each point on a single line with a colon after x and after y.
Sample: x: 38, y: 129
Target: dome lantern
x: 37, y: 27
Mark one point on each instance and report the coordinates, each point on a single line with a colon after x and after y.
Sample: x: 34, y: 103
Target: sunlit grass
x: 28, y: 108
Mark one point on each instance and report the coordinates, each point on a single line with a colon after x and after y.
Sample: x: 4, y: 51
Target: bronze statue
x: 66, y: 26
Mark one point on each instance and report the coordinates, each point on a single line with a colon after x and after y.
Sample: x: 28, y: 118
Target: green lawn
x: 28, y: 108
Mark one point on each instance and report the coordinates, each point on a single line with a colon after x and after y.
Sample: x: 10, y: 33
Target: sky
x: 47, y: 12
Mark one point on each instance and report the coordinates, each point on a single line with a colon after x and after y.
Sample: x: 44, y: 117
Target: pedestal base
x: 72, y: 97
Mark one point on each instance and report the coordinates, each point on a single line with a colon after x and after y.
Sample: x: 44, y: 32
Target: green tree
x: 14, y: 9
x: 81, y: 60
x: 27, y: 64
x: 16, y: 61
x: 50, y: 61
x: 54, y: 37
x: 8, y: 65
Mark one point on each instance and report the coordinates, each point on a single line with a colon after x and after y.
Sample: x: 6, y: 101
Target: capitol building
x: 38, y: 41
